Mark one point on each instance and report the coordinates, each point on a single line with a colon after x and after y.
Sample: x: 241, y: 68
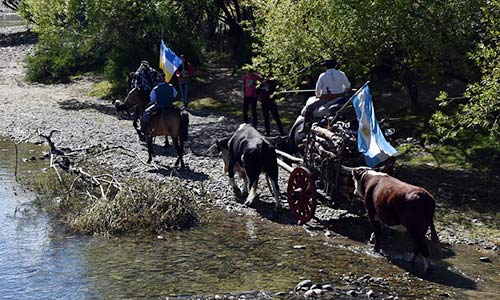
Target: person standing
x: 265, y: 92
x: 184, y: 74
x: 250, y: 95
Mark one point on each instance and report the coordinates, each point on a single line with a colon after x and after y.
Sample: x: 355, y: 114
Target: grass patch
x: 102, y: 89
x: 447, y: 157
x: 213, y: 105
x: 139, y: 206
x: 229, y: 109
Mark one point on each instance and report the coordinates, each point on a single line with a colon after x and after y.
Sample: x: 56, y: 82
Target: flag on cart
x: 169, y: 61
x: 371, y: 140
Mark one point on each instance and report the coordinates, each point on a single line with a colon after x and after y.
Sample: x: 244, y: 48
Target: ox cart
x: 320, y: 171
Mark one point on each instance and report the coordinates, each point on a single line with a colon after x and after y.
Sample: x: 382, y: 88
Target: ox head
x: 223, y: 147
x: 357, y: 176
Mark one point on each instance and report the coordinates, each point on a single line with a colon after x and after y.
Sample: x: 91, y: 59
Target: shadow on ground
x: 18, y: 39
x: 184, y: 173
x: 75, y: 104
x: 395, y: 245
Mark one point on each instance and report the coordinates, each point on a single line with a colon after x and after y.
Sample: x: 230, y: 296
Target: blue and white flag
x: 371, y: 140
x: 169, y: 61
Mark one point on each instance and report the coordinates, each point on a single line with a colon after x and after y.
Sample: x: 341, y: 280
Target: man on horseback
x: 162, y: 96
x: 168, y: 120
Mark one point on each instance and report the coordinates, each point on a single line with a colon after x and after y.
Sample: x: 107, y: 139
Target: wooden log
x: 290, y: 157
x: 323, y: 152
x: 284, y: 165
x: 327, y: 144
x: 323, y: 132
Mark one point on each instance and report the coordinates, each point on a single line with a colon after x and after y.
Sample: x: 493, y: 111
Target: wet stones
x: 347, y: 287
x: 303, y: 285
x: 485, y: 259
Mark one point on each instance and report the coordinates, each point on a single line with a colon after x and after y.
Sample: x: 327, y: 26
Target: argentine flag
x: 169, y: 61
x: 371, y: 141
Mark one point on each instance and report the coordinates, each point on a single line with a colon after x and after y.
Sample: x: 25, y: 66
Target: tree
x: 419, y: 40
x: 84, y: 35
x: 481, y: 111
x: 236, y: 16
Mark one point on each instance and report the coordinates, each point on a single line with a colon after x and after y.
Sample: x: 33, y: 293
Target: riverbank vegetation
x: 90, y: 198
x: 138, y: 206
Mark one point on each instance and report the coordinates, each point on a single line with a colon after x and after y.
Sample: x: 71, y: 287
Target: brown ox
x: 395, y: 203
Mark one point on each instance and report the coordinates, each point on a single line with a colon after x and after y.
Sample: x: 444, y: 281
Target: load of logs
x: 332, y: 151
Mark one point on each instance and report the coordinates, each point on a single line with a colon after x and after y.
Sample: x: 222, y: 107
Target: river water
x: 227, y: 253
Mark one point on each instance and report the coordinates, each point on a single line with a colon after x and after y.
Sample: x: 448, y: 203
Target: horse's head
x: 136, y: 97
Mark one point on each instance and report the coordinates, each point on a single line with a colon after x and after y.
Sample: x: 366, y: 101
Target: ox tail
x: 183, y: 134
x: 434, y: 236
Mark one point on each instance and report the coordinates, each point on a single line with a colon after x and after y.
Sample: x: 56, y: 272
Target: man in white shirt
x: 331, y: 85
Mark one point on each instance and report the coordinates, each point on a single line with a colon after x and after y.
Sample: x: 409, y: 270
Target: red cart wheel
x: 301, y: 193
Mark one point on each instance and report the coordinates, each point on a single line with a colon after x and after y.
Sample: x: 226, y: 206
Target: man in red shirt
x: 250, y: 94
x: 184, y: 74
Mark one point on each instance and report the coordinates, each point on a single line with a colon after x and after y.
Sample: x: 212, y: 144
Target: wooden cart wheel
x: 301, y: 194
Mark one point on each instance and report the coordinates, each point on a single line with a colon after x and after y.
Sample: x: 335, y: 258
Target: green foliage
x: 110, y: 36
x: 478, y: 115
x: 415, y: 38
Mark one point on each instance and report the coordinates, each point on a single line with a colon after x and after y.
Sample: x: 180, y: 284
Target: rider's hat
x: 331, y: 63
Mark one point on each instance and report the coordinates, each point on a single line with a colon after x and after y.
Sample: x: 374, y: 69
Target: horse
x: 136, y: 99
x: 169, y: 122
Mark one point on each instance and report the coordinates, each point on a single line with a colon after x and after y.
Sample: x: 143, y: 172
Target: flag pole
x: 349, y: 101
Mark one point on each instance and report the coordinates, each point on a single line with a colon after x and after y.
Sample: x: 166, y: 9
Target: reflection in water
x: 35, y: 263
x: 225, y: 254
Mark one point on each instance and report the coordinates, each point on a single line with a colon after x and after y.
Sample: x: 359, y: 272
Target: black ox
x: 248, y: 153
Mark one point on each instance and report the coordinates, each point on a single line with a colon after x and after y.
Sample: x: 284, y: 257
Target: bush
x: 106, y: 36
x: 139, y: 206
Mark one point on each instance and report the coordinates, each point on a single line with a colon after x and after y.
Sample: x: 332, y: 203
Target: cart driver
x: 331, y: 85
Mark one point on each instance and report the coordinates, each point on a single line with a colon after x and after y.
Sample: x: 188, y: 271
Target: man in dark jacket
x: 144, y: 77
x: 265, y: 93
x: 162, y: 96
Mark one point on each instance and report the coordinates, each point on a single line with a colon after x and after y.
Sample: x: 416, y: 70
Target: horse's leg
x: 179, y: 147
x: 150, y: 149
x: 166, y: 142
x: 181, y: 151
x: 138, y: 130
